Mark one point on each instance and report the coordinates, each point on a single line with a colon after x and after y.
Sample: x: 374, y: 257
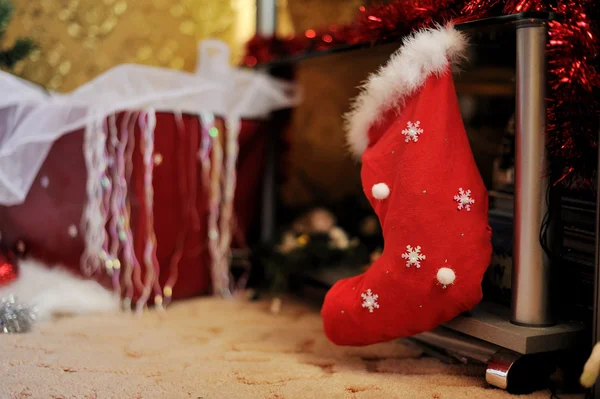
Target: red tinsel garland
x: 573, y: 113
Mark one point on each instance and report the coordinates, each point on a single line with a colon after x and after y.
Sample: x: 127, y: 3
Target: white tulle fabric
x: 31, y: 119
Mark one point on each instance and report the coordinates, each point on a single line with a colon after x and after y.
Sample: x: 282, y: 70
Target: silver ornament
x: 15, y: 317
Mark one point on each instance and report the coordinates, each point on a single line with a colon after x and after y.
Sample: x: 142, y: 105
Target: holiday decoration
x: 8, y: 270
x: 435, y: 254
x: 21, y: 48
x: 163, y: 152
x: 15, y: 317
x: 318, y: 220
x: 314, y: 242
x: 54, y: 290
x: 572, y: 52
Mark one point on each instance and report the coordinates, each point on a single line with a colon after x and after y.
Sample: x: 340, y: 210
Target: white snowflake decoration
x: 370, y: 300
x: 413, y: 256
x: 464, y: 199
x: 412, y: 131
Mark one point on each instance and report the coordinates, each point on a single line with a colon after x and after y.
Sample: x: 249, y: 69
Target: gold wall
x: 79, y: 39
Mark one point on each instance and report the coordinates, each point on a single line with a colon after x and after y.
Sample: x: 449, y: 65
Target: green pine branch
x: 6, y: 12
x: 22, y: 47
x: 20, y: 50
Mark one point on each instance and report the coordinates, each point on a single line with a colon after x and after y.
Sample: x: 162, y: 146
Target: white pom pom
x: 446, y: 276
x: 380, y: 191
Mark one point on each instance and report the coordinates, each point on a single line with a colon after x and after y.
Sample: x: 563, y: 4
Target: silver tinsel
x: 15, y: 317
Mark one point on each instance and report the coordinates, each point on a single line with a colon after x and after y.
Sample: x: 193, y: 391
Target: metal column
x: 266, y: 18
x: 531, y: 267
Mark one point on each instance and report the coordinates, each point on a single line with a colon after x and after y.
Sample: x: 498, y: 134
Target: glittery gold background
x: 79, y: 39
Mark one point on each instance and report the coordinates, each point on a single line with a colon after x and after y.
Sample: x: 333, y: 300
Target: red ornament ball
x: 8, y: 270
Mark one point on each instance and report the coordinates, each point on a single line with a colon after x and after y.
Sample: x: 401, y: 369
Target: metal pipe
x: 499, y: 367
x: 531, y: 277
x: 266, y: 19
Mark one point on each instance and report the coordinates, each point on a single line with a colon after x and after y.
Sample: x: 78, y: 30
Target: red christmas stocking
x: 422, y: 181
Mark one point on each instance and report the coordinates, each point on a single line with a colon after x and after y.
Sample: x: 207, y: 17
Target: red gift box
x: 48, y: 221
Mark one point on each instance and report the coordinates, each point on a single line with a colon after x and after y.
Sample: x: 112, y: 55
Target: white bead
x: 44, y: 181
x: 380, y: 191
x: 446, y: 276
x: 73, y: 231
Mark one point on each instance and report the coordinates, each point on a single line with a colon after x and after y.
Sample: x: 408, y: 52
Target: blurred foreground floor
x: 217, y: 349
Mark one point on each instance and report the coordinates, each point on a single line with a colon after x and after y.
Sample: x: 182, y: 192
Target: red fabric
x: 423, y: 178
x: 42, y: 221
